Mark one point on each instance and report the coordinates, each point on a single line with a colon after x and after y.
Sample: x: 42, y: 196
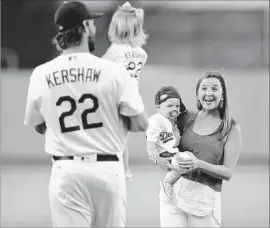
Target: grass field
x: 24, y: 199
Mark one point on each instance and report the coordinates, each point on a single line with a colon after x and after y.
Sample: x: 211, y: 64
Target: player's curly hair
x: 126, y: 26
x: 69, y: 38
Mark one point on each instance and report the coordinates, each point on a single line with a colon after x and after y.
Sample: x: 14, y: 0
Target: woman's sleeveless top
x: 205, y: 147
x: 196, y: 192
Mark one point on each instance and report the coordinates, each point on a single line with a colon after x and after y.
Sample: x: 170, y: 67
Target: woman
x: 213, y: 140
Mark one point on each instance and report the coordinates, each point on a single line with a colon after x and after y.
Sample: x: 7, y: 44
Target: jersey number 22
x: 84, y: 114
x: 134, y: 69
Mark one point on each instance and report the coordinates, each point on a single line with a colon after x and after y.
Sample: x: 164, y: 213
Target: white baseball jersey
x: 80, y: 96
x: 161, y: 132
x: 133, y: 58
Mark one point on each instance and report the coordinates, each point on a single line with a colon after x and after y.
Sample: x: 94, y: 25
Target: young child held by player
x: 127, y: 37
x: 163, y: 135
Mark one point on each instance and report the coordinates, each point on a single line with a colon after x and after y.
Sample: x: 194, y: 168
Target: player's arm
x: 131, y: 105
x: 33, y: 116
x: 136, y: 123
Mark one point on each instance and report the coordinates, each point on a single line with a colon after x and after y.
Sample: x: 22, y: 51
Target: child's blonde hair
x: 126, y: 26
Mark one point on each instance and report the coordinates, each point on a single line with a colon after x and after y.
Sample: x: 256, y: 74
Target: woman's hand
x: 189, y: 164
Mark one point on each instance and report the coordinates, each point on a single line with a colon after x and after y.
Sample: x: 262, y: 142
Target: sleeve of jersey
x: 110, y: 55
x: 130, y: 103
x: 154, y: 129
x: 33, y: 116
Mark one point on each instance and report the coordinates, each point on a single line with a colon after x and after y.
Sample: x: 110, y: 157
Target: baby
x: 163, y: 135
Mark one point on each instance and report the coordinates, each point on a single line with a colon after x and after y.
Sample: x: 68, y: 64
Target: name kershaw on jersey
x: 135, y: 55
x: 72, y: 75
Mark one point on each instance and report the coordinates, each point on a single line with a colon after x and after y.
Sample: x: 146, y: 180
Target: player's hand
x: 127, y: 122
x: 41, y: 128
x: 165, y: 164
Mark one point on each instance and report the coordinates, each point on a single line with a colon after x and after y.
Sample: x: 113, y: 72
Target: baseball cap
x: 165, y: 93
x: 71, y: 14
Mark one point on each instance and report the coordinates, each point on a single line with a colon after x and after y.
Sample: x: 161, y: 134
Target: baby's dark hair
x: 69, y: 38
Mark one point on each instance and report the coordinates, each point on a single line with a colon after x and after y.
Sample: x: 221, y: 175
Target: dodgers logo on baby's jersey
x: 166, y: 137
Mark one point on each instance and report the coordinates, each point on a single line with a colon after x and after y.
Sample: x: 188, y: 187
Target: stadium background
x: 186, y: 38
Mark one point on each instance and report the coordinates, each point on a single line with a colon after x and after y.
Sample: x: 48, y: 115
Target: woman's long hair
x: 223, y: 108
x: 126, y: 26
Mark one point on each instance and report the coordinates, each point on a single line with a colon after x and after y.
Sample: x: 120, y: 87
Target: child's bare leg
x: 172, y: 177
x: 167, y: 184
x: 126, y: 159
x: 126, y: 164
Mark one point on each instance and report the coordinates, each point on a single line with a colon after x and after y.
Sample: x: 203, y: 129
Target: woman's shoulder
x: 185, y: 117
x: 234, y: 135
x: 235, y: 129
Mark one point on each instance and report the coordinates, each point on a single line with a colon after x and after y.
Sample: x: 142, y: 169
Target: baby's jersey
x: 162, y: 132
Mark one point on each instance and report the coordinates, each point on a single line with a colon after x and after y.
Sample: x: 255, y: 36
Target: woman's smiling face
x: 210, y: 93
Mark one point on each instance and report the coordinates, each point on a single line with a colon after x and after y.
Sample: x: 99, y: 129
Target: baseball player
x: 163, y: 135
x: 127, y: 37
x: 80, y: 102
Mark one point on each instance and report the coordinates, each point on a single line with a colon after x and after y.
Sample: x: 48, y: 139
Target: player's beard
x: 91, y: 44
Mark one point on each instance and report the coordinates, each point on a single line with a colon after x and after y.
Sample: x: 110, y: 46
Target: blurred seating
x: 217, y: 38
x: 185, y: 35
x: 9, y: 58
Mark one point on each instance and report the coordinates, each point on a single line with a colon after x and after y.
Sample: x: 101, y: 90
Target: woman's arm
x: 232, y: 149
